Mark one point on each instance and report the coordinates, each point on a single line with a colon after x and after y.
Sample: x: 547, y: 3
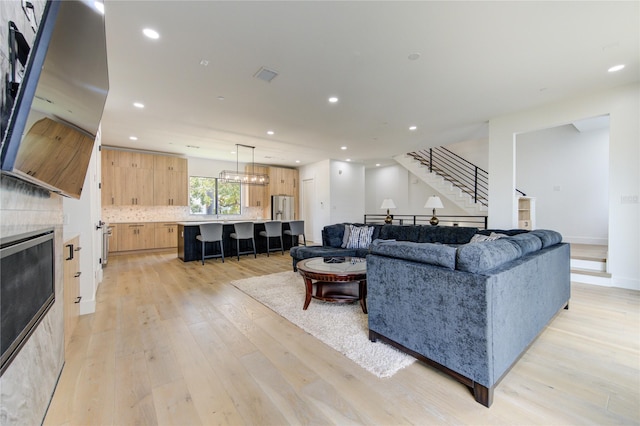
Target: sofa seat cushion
x: 434, y: 254
x: 486, y: 255
x: 306, y: 252
x: 446, y: 234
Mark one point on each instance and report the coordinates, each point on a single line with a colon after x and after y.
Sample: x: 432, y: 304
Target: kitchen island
x: 189, y: 248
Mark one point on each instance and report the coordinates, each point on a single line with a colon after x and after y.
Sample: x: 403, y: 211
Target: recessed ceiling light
x: 204, y: 62
x: 153, y: 34
x: 616, y: 68
x: 138, y: 104
x: 413, y: 128
x: 297, y: 161
x: 99, y: 6
x: 343, y: 148
x: 348, y: 159
x: 333, y: 99
x: 414, y: 56
x: 221, y: 98
x: 133, y: 138
x: 271, y: 132
x: 377, y: 164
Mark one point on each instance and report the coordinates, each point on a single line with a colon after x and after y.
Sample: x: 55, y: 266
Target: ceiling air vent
x: 265, y: 74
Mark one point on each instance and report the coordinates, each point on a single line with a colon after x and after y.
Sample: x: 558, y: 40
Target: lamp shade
x: 388, y: 203
x: 433, y: 202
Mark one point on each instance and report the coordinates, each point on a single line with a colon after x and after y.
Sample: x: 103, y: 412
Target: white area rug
x: 343, y: 326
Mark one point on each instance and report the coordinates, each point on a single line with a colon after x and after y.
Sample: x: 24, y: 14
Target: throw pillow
x: 360, y: 236
x: 345, y: 239
x: 479, y: 237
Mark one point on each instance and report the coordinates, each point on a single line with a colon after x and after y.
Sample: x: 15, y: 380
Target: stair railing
x: 461, y: 173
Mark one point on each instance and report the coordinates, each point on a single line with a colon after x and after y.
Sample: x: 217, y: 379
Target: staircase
x: 589, y: 264
x: 451, y: 176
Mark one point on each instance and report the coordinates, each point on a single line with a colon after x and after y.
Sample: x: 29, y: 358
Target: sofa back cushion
x: 548, y: 237
x: 446, y: 234
x: 332, y: 235
x: 434, y: 254
x: 528, y: 242
x: 486, y: 255
x: 400, y: 232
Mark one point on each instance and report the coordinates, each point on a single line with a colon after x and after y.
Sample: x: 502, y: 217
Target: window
x: 209, y: 195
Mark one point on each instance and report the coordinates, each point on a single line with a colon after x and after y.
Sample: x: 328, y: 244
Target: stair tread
x: 592, y: 272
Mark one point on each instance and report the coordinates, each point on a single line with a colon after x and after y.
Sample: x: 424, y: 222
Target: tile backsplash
x: 129, y: 214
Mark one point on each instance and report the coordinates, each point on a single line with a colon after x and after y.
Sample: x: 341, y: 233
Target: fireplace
x: 27, y: 288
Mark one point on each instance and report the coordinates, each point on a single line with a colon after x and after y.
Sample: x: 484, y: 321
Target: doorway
x: 308, y: 197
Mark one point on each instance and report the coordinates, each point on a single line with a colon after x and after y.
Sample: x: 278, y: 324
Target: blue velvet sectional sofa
x: 467, y: 307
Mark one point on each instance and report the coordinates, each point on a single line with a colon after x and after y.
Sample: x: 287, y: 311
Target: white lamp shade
x: 388, y: 203
x: 434, y: 202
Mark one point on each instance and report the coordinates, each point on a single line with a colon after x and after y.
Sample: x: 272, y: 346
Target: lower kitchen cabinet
x: 71, y: 287
x: 166, y: 235
x: 136, y: 236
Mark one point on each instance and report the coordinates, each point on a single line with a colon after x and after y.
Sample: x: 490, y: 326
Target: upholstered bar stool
x: 211, y: 233
x: 273, y: 229
x: 296, y: 228
x: 243, y: 231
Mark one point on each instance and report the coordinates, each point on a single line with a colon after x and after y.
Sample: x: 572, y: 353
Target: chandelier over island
x: 246, y: 177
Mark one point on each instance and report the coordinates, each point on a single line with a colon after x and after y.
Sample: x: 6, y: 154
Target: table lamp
x: 434, y: 203
x: 388, y: 203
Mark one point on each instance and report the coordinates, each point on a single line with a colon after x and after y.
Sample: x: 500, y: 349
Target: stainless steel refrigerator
x: 282, y: 207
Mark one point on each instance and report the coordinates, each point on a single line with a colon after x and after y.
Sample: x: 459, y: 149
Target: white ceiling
x: 477, y: 60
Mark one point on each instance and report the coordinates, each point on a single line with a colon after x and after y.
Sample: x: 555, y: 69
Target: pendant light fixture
x: 245, y: 178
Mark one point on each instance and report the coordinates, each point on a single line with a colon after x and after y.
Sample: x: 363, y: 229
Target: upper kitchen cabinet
x: 170, y: 181
x: 283, y: 181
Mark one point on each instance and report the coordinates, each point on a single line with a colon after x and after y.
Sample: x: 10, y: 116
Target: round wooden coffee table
x: 335, y: 279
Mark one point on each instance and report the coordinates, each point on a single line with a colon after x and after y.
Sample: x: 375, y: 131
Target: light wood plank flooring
x: 173, y: 343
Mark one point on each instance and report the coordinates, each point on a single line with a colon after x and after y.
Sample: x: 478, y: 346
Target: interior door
x: 308, y: 197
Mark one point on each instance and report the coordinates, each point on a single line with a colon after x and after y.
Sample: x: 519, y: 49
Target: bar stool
x: 273, y: 229
x: 243, y: 231
x: 296, y: 228
x: 211, y: 233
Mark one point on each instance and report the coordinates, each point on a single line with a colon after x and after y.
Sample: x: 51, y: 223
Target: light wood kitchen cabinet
x: 135, y: 160
x: 134, y: 186
x: 136, y: 236
x: 258, y: 195
x: 166, y: 235
x: 71, y: 287
x: 113, y: 239
x: 127, y: 178
x: 283, y: 181
x: 170, y: 181
x: 108, y: 182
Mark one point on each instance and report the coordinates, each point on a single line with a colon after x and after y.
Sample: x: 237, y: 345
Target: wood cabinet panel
x: 135, y: 236
x: 47, y: 139
x: 166, y: 235
x: 113, y: 240
x: 71, y: 287
x: 283, y: 181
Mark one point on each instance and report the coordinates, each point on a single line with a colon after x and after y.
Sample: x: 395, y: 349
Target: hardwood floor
x: 173, y: 343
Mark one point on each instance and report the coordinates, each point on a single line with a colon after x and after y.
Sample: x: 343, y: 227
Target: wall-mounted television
x: 52, y: 128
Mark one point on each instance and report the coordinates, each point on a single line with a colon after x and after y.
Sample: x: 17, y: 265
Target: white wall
x: 408, y: 192
x: 81, y: 218
x: 567, y: 172
x: 320, y: 213
x: 623, y: 106
x: 347, y: 192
